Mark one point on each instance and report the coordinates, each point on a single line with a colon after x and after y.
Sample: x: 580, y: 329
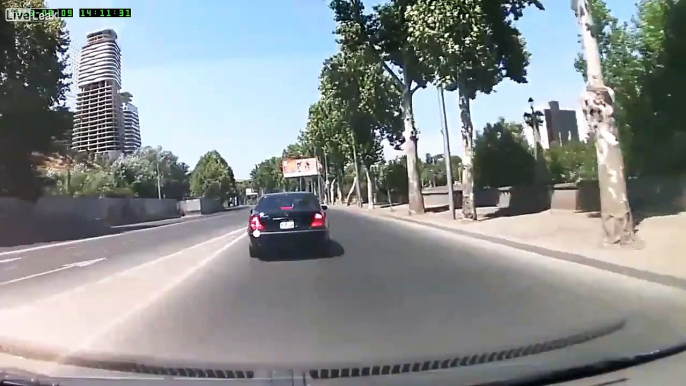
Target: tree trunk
x: 339, y: 186
x: 370, y: 190
x: 468, y: 206
x: 358, y: 192
x: 598, y: 99
x: 350, y: 192
x: 416, y: 201
x: 332, y: 196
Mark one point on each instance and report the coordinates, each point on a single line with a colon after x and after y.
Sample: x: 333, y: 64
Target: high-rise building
x: 560, y: 125
x: 99, y: 119
x: 132, y: 128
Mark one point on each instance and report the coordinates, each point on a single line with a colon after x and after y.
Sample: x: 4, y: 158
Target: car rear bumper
x: 310, y: 238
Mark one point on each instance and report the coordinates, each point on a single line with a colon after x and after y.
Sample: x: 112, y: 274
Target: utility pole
x: 446, y: 152
x: 598, y: 101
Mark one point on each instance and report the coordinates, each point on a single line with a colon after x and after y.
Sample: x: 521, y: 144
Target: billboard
x: 250, y: 192
x: 302, y: 167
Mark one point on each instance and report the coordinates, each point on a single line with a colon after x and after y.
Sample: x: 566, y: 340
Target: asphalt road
x: 389, y: 291
x: 27, y: 274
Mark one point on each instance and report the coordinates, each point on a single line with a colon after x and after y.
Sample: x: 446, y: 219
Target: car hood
x: 616, y: 345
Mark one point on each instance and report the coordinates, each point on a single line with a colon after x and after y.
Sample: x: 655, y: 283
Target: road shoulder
x: 624, y: 262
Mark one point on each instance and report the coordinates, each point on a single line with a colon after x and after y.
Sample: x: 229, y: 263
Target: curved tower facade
x: 132, y: 128
x: 99, y: 119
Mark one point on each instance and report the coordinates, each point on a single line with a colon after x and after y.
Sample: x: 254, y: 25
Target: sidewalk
x: 572, y: 236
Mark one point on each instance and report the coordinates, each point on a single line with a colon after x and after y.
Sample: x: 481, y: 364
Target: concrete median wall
x: 109, y: 211
x: 66, y: 218
x: 200, y: 206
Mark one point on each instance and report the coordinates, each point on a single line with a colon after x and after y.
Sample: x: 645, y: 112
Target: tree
x: 267, y: 176
x: 384, y: 36
x: 326, y: 131
x: 471, y: 46
x: 617, y: 47
x: 658, y: 142
x: 502, y: 157
x: 367, y: 105
x: 434, y: 170
x: 139, y: 171
x: 33, y: 84
x: 597, y: 104
x: 213, y: 177
x: 394, y: 179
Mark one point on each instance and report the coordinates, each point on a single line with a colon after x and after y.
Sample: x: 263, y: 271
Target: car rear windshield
x: 293, y: 202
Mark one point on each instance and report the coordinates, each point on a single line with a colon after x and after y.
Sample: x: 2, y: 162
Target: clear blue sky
x: 238, y: 76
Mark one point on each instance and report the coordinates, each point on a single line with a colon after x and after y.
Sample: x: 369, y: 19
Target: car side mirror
x: 325, y: 207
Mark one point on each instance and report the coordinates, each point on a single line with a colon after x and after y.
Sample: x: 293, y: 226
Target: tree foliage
x: 573, y: 162
x: 433, y: 169
x: 393, y: 178
x: 502, y: 156
x: 364, y: 105
x: 267, y: 176
x: 133, y: 175
x: 33, y: 84
x: 643, y: 61
x: 212, y: 177
x: 474, y: 43
x: 326, y: 131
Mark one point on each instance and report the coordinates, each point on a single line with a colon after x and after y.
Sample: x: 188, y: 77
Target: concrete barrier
x: 109, y: 211
x: 200, y: 206
x: 66, y: 218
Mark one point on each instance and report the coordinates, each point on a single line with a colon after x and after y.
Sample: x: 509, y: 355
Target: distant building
x: 560, y: 125
x: 132, y: 128
x: 99, y: 120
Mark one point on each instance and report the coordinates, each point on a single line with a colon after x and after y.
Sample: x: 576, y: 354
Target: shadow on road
x: 335, y: 250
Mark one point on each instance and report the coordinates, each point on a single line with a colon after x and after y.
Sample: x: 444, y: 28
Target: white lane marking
x: 70, y: 242
x: 126, y: 271
x: 152, y: 299
x: 10, y: 260
x: 79, y: 264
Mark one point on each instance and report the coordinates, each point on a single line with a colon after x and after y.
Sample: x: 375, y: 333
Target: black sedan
x: 288, y: 220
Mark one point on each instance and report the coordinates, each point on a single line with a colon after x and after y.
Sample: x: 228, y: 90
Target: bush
x: 573, y: 162
x: 502, y: 157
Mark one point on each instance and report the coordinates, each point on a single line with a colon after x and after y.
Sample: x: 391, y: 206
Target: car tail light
x: 286, y: 207
x: 255, y: 224
x: 318, y: 220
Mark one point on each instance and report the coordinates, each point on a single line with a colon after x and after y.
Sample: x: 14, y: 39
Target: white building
x: 560, y: 125
x: 99, y: 121
x: 132, y: 128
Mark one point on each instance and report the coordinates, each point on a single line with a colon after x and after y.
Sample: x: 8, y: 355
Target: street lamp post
x: 446, y: 151
x: 534, y: 118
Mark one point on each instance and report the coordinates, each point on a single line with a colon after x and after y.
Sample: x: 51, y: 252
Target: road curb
x: 667, y: 280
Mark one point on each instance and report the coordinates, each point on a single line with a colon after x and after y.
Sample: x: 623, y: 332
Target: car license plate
x: 287, y: 225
